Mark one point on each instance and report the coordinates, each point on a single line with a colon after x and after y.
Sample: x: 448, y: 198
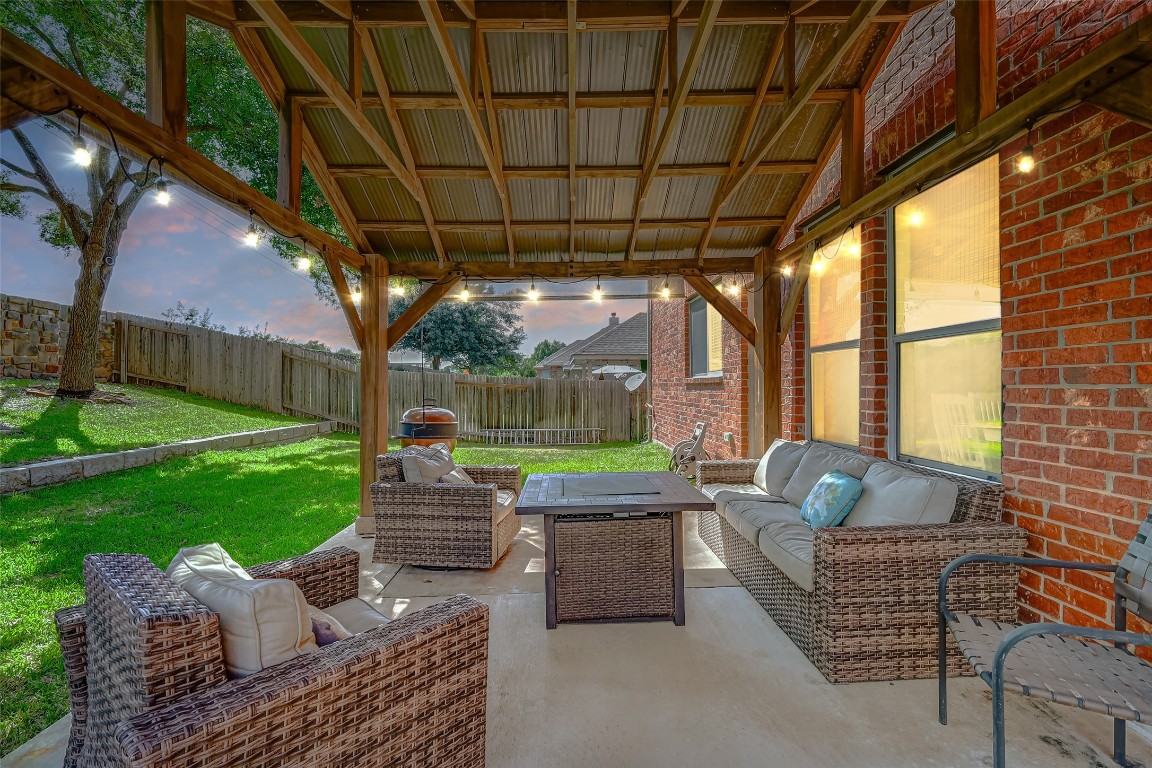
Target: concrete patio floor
x: 727, y: 689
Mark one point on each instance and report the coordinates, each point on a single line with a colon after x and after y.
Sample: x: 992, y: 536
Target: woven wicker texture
x: 1064, y: 670
x: 614, y: 569
x: 71, y: 627
x: 325, y: 578
x: 439, y: 524
x: 1137, y: 563
x: 872, y: 613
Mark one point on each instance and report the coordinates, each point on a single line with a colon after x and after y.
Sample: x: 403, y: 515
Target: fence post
x: 122, y: 344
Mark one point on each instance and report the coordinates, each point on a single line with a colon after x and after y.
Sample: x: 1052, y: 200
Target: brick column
x: 874, y: 337
x: 794, y: 417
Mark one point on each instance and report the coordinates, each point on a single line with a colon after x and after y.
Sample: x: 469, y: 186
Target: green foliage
x: 191, y: 316
x: 54, y: 232
x: 50, y: 428
x: 474, y: 335
x: 11, y: 203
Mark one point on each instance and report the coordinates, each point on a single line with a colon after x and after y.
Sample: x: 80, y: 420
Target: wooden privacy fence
x: 284, y: 378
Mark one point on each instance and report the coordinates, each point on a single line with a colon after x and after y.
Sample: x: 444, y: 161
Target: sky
x: 191, y: 251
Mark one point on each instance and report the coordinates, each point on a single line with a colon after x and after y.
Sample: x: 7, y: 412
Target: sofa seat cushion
x: 895, y: 496
x: 748, y: 517
x: 505, y: 504
x: 262, y: 621
x: 356, y: 615
x: 788, y: 544
x: 722, y: 493
x: 778, y: 465
x: 818, y: 461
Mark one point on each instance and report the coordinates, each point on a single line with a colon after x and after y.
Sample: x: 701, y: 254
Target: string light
x: 1026, y: 162
x: 356, y: 296
x: 533, y: 294
x: 786, y: 270
x: 303, y: 263
x: 80, y: 151
x: 399, y: 289
x: 252, y: 236
x: 465, y: 294
x: 916, y: 217
x: 163, y: 196
x: 734, y: 287
x: 665, y: 289
x: 597, y: 292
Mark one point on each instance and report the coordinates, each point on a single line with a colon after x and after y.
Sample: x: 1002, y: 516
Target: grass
x: 51, y: 428
x: 261, y: 504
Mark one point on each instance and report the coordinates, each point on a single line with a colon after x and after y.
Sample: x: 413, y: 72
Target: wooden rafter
x: 598, y: 225
x: 561, y: 172
x: 485, y: 75
x: 421, y: 306
x: 1130, y: 97
x: 344, y: 296
x: 667, y: 55
x: 500, y: 270
x: 976, y: 77
x: 22, y: 64
x: 802, y: 268
x: 289, y: 163
x: 672, y: 118
x: 166, y: 87
x: 467, y: 7
x: 572, y: 78
x: 342, y: 8
x: 852, y: 149
x: 722, y: 304
x: 661, y: 97
x: 384, y: 91
x: 443, y: 42
x: 290, y: 37
x: 355, y: 62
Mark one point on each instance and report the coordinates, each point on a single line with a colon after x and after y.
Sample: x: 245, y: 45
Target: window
x: 946, y: 321
x: 706, y: 338
x: 834, y: 340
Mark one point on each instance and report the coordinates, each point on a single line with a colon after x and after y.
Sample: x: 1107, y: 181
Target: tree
x: 192, y: 316
x: 230, y: 121
x: 472, y: 334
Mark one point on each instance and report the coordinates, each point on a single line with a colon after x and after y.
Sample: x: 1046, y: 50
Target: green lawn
x: 51, y: 428
x: 261, y: 504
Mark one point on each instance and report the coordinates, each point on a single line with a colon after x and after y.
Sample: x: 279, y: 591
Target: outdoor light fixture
x: 303, y: 263
x: 465, y: 294
x: 786, y: 270
x: 818, y: 266
x: 252, y: 236
x: 854, y: 249
x: 734, y: 287
x: 665, y: 289
x: 80, y: 151
x: 533, y: 294
x: 356, y: 296
x: 1026, y: 161
x: 399, y: 289
x: 163, y: 196
x: 597, y: 293
x: 916, y: 217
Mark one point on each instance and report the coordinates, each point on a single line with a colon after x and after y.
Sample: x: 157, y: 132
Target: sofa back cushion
x: 262, y: 621
x: 778, y: 465
x: 893, y: 496
x: 818, y: 461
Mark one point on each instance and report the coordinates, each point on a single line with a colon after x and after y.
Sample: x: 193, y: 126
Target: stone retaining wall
x: 34, y: 335
x: 29, y: 476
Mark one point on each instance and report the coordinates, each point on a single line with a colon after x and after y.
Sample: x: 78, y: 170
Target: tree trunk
x: 78, y: 367
x: 435, y: 362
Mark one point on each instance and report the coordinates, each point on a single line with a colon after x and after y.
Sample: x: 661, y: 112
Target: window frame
x: 707, y: 373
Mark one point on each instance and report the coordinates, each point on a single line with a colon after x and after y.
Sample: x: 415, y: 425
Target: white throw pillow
x: 778, y: 465
x: 428, y: 465
x: 457, y: 477
x: 262, y: 621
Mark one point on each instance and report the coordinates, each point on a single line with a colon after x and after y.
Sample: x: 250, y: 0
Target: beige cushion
x: 427, y: 465
x: 722, y: 493
x: 778, y: 465
x: 262, y: 621
x: 788, y: 544
x: 894, y: 496
x: 321, y: 617
x: 356, y: 616
x: 505, y: 504
x: 457, y: 477
x: 748, y: 517
x: 818, y: 461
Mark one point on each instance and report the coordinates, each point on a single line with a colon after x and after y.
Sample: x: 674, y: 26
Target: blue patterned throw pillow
x: 830, y: 500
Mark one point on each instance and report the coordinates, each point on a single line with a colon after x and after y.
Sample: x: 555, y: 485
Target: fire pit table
x: 613, y: 543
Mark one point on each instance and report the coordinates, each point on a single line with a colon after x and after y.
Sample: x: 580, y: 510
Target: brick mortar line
x: 55, y: 471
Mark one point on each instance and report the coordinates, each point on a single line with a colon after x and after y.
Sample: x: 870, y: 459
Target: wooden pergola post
x: 373, y: 381
x: 764, y: 391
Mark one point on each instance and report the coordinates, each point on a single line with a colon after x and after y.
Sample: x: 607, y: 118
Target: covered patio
x: 721, y: 145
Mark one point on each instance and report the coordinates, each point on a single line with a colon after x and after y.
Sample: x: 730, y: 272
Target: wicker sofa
x: 440, y: 524
x: 148, y: 687
x: 864, y: 606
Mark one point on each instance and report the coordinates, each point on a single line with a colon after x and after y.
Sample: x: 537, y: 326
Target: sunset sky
x: 191, y: 251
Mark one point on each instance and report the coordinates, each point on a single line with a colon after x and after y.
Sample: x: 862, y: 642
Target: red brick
x: 1137, y: 488
x: 1083, y: 438
x: 1095, y: 252
x: 1076, y: 196
x: 1105, y: 504
x: 1098, y: 334
x: 1098, y: 292
x: 1078, y: 476
x: 1075, y: 356
x: 1132, y: 353
x: 1086, y: 313
x: 1097, y: 374
x: 1102, y: 460
x: 1100, y: 417
x: 1136, y: 442
x: 1138, y: 307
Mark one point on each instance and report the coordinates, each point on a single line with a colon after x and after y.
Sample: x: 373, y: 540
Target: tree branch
x: 17, y: 169
x: 69, y: 210
x: 20, y: 188
x: 60, y: 57
x: 81, y: 69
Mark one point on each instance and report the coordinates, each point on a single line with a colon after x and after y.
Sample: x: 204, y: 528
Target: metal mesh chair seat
x: 1063, y: 670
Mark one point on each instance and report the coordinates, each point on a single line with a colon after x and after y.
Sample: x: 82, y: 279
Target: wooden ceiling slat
x: 561, y: 172
x: 612, y: 225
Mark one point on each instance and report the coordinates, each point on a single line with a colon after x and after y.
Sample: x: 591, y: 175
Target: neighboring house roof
x: 410, y: 358
x: 628, y: 339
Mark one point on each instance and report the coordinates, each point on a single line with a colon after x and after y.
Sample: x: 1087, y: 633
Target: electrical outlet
x: 727, y: 437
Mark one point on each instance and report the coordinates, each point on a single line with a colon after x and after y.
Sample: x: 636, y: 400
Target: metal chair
x: 686, y: 454
x: 1061, y: 663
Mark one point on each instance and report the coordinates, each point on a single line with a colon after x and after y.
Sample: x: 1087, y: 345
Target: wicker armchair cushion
x: 427, y: 464
x: 262, y: 621
x: 788, y: 544
x: 356, y: 615
x: 390, y: 466
x: 893, y: 496
x: 818, y: 461
x: 505, y: 504
x: 778, y: 465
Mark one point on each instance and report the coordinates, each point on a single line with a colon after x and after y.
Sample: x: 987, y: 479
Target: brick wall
x: 874, y: 336
x: 792, y: 382
x: 679, y: 400
x: 34, y: 336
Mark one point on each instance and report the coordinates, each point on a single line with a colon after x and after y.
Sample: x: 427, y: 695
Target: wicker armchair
x: 872, y: 612
x: 148, y: 686
x: 443, y: 525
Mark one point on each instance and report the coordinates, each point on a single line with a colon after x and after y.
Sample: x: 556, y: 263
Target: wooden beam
x: 374, y: 432
x: 498, y: 270
x: 667, y: 62
x: 376, y: 67
x: 166, y: 65
x: 1082, y: 79
x: 585, y: 100
x: 355, y: 62
x: 291, y: 38
x: 561, y: 172
x: 605, y: 225
x: 814, y: 75
x: 421, y: 306
x: 572, y: 78
x: 788, y: 38
x: 137, y: 134
x: 467, y: 7
x: 672, y: 118
x: 795, y: 291
x: 342, y: 8
x: 721, y: 304
x: 344, y: 296
x: 976, y: 78
x: 485, y: 75
x: 852, y: 149
x: 1130, y: 96
x: 767, y: 362
x: 289, y: 157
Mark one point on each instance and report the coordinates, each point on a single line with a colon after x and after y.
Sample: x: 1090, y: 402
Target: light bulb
x: 597, y: 293
x: 80, y: 152
x: 818, y: 266
x: 356, y: 296
x: 399, y: 289
x: 252, y: 236
x: 734, y: 288
x: 786, y: 270
x: 854, y: 249
x: 916, y: 218
x: 163, y: 196
x: 465, y: 294
x: 1026, y: 163
x: 303, y: 263
x: 533, y: 294
x: 665, y: 290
